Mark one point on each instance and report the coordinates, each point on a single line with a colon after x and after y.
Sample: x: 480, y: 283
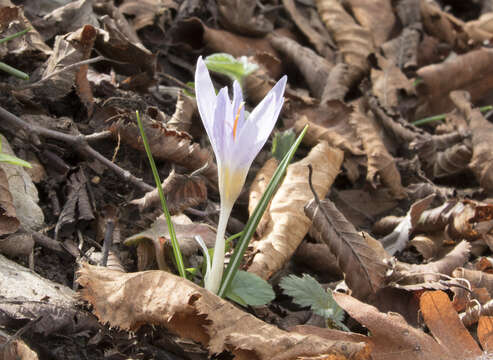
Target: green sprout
x: 226, y: 64
x: 442, y: 117
x: 10, y: 159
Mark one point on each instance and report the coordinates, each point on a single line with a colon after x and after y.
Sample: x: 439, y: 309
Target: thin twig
x: 77, y: 142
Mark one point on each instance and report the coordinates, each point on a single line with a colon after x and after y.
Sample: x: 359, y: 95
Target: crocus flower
x: 236, y: 140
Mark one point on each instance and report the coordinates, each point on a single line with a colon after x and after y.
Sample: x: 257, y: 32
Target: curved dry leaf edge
x: 288, y: 223
x: 158, y: 298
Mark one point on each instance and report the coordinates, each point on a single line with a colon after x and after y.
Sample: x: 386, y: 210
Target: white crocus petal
x: 205, y: 252
x: 219, y: 128
x: 206, y: 98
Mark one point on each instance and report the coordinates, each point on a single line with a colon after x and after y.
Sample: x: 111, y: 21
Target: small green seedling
x: 307, y: 292
x: 226, y: 64
x: 9, y: 69
x: 10, y: 159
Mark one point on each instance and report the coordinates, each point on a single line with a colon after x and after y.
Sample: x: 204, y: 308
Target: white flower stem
x: 213, y: 279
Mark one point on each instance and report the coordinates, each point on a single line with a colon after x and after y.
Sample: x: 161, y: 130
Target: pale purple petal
x: 237, y: 100
x: 259, y: 125
x: 222, y: 113
x: 205, y: 95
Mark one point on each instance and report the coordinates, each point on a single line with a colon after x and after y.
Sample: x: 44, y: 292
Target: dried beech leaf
x: 8, y: 220
x: 380, y: 162
x: 391, y: 335
x: 318, y: 258
x: 412, y: 273
x: 377, y: 16
x: 485, y: 333
x: 445, y: 325
x: 15, y: 350
x: 314, y: 68
x: 185, y: 108
x: 181, y: 192
x: 168, y: 145
x: 440, y: 79
x: 239, y: 16
x: 482, y: 136
x: 316, y: 133
x: 317, y: 35
x: 257, y: 189
x: 363, y: 267
x: 148, y: 12
x: 473, y: 314
x: 428, y: 245
x: 288, y: 224
x: 355, y: 42
x: 481, y: 29
x: 476, y: 278
x: 194, y: 313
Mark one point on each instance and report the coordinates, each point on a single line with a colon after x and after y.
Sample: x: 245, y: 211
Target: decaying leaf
x: 318, y: 258
x: 16, y: 349
x: 476, y: 278
x: 181, y: 192
x: 316, y: 133
x: 354, y: 42
x: 185, y: 108
x: 194, y: 313
x: 239, y: 16
x: 445, y: 325
x: 288, y: 224
x: 257, y: 189
x: 148, y: 12
x: 470, y: 72
x: 168, y: 145
x: 158, y: 236
x: 8, y: 220
x: 481, y: 29
x: 482, y: 136
x: 314, y: 68
x: 363, y: 268
x: 391, y: 335
x: 485, y: 333
x: 381, y: 164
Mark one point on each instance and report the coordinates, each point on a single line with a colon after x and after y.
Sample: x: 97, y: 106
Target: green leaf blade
x: 250, y: 289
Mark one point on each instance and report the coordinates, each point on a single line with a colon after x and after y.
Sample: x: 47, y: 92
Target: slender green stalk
x: 440, y: 117
x: 13, y: 36
x: 171, y: 229
x: 13, y: 71
x: 254, y: 219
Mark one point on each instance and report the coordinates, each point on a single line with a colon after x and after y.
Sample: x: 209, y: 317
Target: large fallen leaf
x: 288, y: 224
x: 391, y: 337
x: 158, y: 298
x: 485, y: 333
x: 445, y: 325
x: 363, y: 268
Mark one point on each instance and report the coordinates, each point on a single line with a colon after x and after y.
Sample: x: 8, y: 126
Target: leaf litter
x: 393, y: 93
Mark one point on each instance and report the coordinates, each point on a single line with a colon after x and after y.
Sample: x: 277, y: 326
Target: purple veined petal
x: 222, y: 112
x: 205, y: 95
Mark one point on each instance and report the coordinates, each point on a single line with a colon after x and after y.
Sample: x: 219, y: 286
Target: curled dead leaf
x: 194, y: 313
x: 288, y: 224
x: 363, y: 268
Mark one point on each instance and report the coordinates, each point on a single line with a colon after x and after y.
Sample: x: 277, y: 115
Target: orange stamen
x: 236, y: 119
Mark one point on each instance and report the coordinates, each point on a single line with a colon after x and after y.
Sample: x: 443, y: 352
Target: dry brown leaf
x: 260, y: 82
x: 8, y: 220
x: 391, y: 336
x: 168, y: 145
x: 317, y: 35
x: 443, y: 25
x: 239, y: 16
x: 389, y: 83
x: 482, y: 136
x: 432, y: 271
x: 474, y: 313
x: 485, y: 333
x: 381, y: 164
x: 288, y: 224
x: 377, y: 16
x: 185, y: 108
x: 195, y: 313
x: 476, y: 278
x: 428, y: 245
x: 472, y: 72
x: 445, y: 325
x: 314, y: 68
x: 16, y: 349
x: 363, y: 268
x: 318, y: 258
x: 158, y: 236
x: 316, y: 133
x: 481, y: 29
x: 355, y: 42
x: 181, y: 191
x: 257, y: 189
x: 148, y: 12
